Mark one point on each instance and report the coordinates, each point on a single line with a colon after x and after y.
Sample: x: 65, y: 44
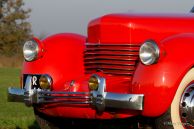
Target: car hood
x: 136, y: 28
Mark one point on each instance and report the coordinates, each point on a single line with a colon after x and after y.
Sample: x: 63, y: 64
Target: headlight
x: 149, y: 53
x: 93, y: 83
x: 30, y: 50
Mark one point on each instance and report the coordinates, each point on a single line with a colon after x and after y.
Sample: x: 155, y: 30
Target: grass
x: 13, y: 115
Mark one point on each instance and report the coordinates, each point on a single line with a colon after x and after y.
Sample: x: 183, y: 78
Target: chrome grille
x: 115, y: 59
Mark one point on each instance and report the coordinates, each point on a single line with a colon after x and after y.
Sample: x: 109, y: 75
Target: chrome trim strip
x: 67, y: 93
x: 65, y: 102
x: 65, y: 97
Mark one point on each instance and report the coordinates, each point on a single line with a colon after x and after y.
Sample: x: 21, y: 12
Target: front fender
x: 62, y: 59
x: 159, y: 82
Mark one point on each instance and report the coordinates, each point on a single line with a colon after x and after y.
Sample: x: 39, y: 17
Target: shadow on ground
x: 130, y: 123
x: 34, y: 126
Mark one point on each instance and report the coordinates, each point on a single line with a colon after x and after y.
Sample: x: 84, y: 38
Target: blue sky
x: 56, y: 16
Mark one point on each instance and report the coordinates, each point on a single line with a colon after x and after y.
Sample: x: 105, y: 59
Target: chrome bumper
x: 97, y: 99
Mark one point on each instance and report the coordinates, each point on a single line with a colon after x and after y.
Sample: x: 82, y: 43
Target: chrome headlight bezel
x: 30, y: 50
x: 149, y: 53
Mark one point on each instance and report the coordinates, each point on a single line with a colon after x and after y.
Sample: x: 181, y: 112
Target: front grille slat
x: 113, y: 50
x: 119, y: 73
x: 104, y: 68
x: 110, y: 58
x: 113, y: 59
x: 108, y: 49
x: 104, y: 44
x: 108, y: 54
x: 109, y: 63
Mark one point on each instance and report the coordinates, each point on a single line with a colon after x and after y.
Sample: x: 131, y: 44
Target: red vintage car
x: 128, y: 65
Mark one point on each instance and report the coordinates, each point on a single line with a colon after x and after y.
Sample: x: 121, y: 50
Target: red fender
x: 160, y: 81
x: 62, y: 59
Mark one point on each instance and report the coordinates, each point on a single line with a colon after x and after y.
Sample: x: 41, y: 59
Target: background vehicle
x: 128, y: 65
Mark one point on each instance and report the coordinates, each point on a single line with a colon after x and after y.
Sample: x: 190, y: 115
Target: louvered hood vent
x: 113, y: 59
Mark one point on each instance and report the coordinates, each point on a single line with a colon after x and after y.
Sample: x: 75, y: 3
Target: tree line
x: 14, y: 27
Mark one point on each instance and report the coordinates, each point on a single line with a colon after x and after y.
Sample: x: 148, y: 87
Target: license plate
x: 34, y: 81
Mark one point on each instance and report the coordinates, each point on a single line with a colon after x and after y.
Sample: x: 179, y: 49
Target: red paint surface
x: 63, y: 60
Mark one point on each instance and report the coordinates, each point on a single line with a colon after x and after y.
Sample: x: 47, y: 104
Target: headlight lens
x: 93, y: 83
x: 149, y: 53
x: 30, y: 50
x: 45, y: 82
